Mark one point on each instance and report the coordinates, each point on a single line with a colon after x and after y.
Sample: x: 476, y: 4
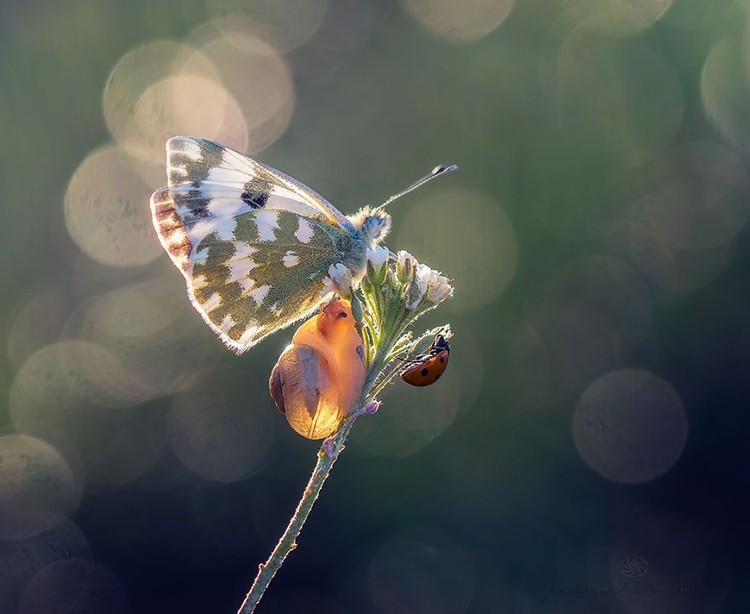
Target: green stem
x: 327, y: 456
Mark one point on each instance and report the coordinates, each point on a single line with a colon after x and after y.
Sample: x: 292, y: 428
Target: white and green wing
x: 200, y: 162
x: 254, y: 250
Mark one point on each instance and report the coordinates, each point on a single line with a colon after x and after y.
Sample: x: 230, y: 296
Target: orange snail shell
x: 319, y: 377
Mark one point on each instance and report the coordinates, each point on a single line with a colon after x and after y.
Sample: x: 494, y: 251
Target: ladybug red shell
x: 427, y: 368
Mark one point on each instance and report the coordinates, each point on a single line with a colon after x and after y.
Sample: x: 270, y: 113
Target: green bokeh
x: 597, y: 224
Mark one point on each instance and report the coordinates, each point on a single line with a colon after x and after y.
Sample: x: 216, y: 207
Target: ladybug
x: 427, y: 368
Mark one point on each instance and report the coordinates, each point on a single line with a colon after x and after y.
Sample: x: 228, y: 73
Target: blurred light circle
x: 106, y: 210
x: 348, y: 25
x: 675, y: 271
x: 38, y: 320
x: 615, y: 17
x: 725, y: 89
x: 460, y: 21
x: 140, y: 68
x: 591, y: 316
x: 164, y: 362
x: 217, y: 431
x: 421, y: 571
x: 132, y: 312
x: 36, y: 487
x: 21, y: 559
x: 701, y: 199
x: 187, y: 104
x: 411, y: 419
x: 470, y: 238
x: 613, y: 124
x: 71, y: 373
x: 110, y: 449
x: 258, y: 79
x: 285, y: 24
x: 578, y: 186
x: 630, y: 426
x: 63, y: 393
x: 151, y: 330
x: 75, y: 585
x: 601, y: 97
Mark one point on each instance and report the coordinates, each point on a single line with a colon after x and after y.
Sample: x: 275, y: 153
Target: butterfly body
x: 254, y: 245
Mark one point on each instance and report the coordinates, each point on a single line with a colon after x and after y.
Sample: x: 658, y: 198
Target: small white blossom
x: 339, y: 281
x: 417, y: 289
x: 377, y: 257
x: 438, y: 288
x: 423, y: 275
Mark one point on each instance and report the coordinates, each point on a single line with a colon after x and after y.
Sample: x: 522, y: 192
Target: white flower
x: 423, y: 275
x: 417, y: 289
x: 438, y: 288
x: 377, y: 257
x: 338, y: 281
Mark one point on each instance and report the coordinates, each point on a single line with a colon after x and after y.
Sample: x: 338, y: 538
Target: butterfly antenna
x: 435, y: 172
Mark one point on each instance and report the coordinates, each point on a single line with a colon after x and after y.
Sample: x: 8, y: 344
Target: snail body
x: 319, y: 377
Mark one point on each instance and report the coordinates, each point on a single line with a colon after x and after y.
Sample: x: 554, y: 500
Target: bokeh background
x: 587, y: 448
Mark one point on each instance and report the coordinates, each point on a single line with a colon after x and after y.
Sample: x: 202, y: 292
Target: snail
x: 318, y: 378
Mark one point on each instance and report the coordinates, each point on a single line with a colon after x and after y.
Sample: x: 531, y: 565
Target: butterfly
x: 255, y: 246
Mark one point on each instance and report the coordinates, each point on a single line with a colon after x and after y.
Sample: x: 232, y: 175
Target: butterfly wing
x: 203, y: 163
x: 253, y: 245
x: 248, y: 273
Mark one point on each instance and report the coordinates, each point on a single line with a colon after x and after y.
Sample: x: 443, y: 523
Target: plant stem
x: 327, y: 456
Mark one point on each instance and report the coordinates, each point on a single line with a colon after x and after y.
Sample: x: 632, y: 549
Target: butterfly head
x: 374, y: 224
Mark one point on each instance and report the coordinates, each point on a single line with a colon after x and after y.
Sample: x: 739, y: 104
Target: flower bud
x: 405, y: 267
x: 377, y: 257
x: 371, y: 408
x: 329, y: 447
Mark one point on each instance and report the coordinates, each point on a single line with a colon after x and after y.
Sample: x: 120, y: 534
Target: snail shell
x: 319, y: 377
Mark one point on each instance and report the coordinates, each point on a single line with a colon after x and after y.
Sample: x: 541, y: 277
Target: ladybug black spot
x: 442, y: 359
x: 425, y: 372
x: 343, y: 315
x: 437, y: 377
